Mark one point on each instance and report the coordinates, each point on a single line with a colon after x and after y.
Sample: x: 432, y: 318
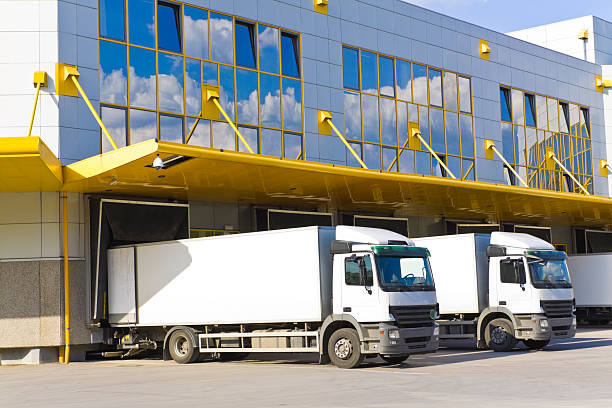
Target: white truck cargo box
x: 216, y: 280
x: 591, y: 278
x: 462, y: 282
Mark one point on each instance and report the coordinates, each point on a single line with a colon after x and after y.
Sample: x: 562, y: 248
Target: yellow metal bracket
x: 491, y: 151
x: 412, y: 141
x: 583, y: 34
x: 320, y: 6
x: 600, y: 83
x: 40, y: 81
x: 551, y: 158
x: 604, y: 167
x: 417, y: 134
x: 485, y: 50
x: 325, y: 128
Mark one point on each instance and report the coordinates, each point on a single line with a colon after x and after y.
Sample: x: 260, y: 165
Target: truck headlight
x: 436, y: 331
x: 393, y: 334
x: 544, y: 324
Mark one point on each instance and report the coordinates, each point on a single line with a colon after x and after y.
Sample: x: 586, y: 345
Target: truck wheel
x: 344, y: 349
x: 536, y: 344
x: 499, y: 335
x: 394, y: 359
x: 182, y: 347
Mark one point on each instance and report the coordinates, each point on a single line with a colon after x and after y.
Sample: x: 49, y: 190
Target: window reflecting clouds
x: 113, y: 73
x: 404, y: 83
x: 467, y: 137
x: 369, y: 73
x: 290, y: 50
x: 370, y: 118
x: 292, y: 104
x: 387, y: 77
x: 221, y: 38
x: 268, y: 49
x: 465, y: 95
x: 451, y: 125
x: 436, y: 123
x: 112, y: 19
x: 351, y: 161
x: 352, y: 116
x: 292, y: 145
x: 252, y: 138
x: 142, y: 22
x: 423, y: 163
x: 169, y: 26
x: 435, y: 87
x: 223, y: 136
x: 196, y: 32
x: 450, y: 91
x: 210, y: 75
x: 389, y: 162
x: 518, y: 115
x: 388, y: 127
x: 247, y: 100
x: 143, y: 83
x: 271, y: 142
x: 143, y: 126
x: 193, y: 87
x: 170, y: 80
x: 171, y: 128
x: 200, y: 135
x: 350, y: 68
x: 371, y: 156
x: 419, y: 84
x: 269, y: 100
x: 227, y: 90
x: 406, y: 161
x: 115, y: 120
x: 402, y: 123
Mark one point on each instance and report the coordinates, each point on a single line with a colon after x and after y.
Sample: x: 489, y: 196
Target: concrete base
x: 20, y: 356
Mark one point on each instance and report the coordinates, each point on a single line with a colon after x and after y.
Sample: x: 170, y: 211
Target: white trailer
x: 343, y: 292
x: 592, y: 280
x: 500, y: 288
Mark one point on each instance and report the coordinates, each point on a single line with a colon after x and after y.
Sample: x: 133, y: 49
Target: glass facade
x: 155, y: 56
x: 385, y: 96
x: 530, y: 124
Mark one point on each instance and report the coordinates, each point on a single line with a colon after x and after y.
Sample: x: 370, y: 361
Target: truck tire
x: 499, y: 335
x: 536, y: 344
x: 344, y: 348
x: 395, y: 359
x: 182, y: 347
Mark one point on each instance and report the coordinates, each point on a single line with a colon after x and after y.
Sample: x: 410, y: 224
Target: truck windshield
x: 548, y: 273
x: 404, y: 274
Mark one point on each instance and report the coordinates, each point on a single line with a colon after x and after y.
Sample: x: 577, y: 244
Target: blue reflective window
x: 350, y: 158
x: 404, y: 83
x: 142, y: 22
x: 113, y: 73
x: 210, y: 75
x: 292, y: 146
x: 269, y: 100
x: 292, y: 104
x: 271, y: 144
x: 435, y: 87
x: 350, y: 68
x: 221, y: 38
x: 268, y: 49
x: 171, y: 128
x: 223, y: 136
x: 389, y: 162
x: 196, y: 32
x: 371, y: 156
x: 245, y: 44
x: 227, y: 91
x: 436, y: 123
x: 451, y: 124
x: 169, y: 26
x: 468, y: 169
x: 200, y: 135
x: 388, y: 128
x: 370, y: 118
x: 112, y: 19
x: 143, y: 83
x: 454, y: 164
x: 424, y: 122
x: 170, y: 82
x: 467, y: 138
x: 193, y: 87
x: 507, y: 143
x: 419, y: 84
x: 115, y: 120
x: 290, y: 49
x: 251, y: 135
x: 406, y: 161
x: 246, y: 94
x: 387, y: 76
x: 369, y: 73
x: 352, y: 116
x: 143, y: 126
x: 504, y: 98
x: 423, y: 163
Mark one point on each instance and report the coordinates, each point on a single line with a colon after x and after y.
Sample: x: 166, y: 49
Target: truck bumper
x: 417, y: 340
x: 539, y: 327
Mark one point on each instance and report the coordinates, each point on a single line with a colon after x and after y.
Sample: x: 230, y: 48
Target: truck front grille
x: 412, y: 316
x: 557, y: 308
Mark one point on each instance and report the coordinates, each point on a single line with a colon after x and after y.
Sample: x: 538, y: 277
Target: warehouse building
x: 154, y: 120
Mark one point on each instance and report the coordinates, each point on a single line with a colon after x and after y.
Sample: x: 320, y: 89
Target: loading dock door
x: 278, y: 219
x: 539, y: 232
x: 119, y: 222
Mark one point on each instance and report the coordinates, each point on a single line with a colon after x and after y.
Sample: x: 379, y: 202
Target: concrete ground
x: 570, y: 373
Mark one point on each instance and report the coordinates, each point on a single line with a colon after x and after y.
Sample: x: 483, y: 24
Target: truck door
x: 360, y: 289
x: 513, y: 291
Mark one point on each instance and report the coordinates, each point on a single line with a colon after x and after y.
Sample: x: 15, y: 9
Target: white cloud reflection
x: 113, y: 86
x: 222, y: 37
x: 196, y: 37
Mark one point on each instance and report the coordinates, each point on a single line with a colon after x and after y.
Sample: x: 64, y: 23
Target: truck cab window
x: 351, y: 271
x: 512, y: 271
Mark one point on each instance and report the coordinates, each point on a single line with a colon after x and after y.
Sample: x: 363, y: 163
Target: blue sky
x: 511, y: 15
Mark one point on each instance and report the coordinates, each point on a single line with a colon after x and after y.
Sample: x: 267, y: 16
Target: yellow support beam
x: 416, y: 135
x: 326, y: 126
x: 550, y: 155
x: 604, y: 167
x: 490, y: 150
x: 40, y: 81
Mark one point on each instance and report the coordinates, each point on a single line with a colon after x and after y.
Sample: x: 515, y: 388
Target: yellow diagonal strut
x: 40, y: 81
x: 325, y: 128
x: 413, y: 141
x: 550, y: 154
x: 489, y: 145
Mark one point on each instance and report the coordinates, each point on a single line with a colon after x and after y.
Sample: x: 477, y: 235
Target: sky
x: 511, y: 15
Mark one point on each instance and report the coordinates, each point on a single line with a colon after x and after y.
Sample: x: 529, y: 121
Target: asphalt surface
x: 570, y: 373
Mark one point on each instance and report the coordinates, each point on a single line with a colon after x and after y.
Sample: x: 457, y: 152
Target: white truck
x: 343, y: 292
x: 500, y: 288
x: 592, y: 280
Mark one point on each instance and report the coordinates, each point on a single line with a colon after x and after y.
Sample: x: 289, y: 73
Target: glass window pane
x: 250, y: 134
x: 564, y: 117
x: 451, y: 125
x: 404, y: 85
x: 387, y: 80
x: 436, y: 122
x: 112, y: 19
x: 517, y: 107
x: 113, y: 73
x: 350, y: 68
x: 504, y: 100
x: 419, y: 84
x: 436, y: 169
x: 269, y: 102
x: 352, y: 116
x: 142, y: 22
x: 245, y: 44
x: 170, y: 80
x: 169, y: 27
x: 423, y: 163
x: 468, y: 170
x: 467, y: 136
x: 450, y: 91
x: 465, y: 95
x: 115, y: 120
x: 519, y: 145
x: 226, y: 92
x: 193, y: 87
x: 268, y: 49
x: 223, y: 136
x: 290, y: 48
x: 553, y: 115
x: 209, y: 73
x: 389, y: 157
x: 200, y: 135
x: 387, y: 122
x: 196, y: 32
x: 424, y: 123
x: 574, y: 117
x: 531, y: 147
x: 507, y: 142
x: 171, y: 128
x: 402, y: 123
x: 292, y: 104
x: 370, y: 118
x: 350, y: 158
x: 541, y: 112
x: 221, y: 38
x: 143, y: 84
x: 369, y: 73
x: 530, y: 119
x: 371, y: 156
x: 406, y: 161
x: 292, y: 146
x: 435, y: 87
x: 246, y: 96
x: 143, y: 126
x: 271, y: 142
x: 454, y: 164
x: 413, y: 113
